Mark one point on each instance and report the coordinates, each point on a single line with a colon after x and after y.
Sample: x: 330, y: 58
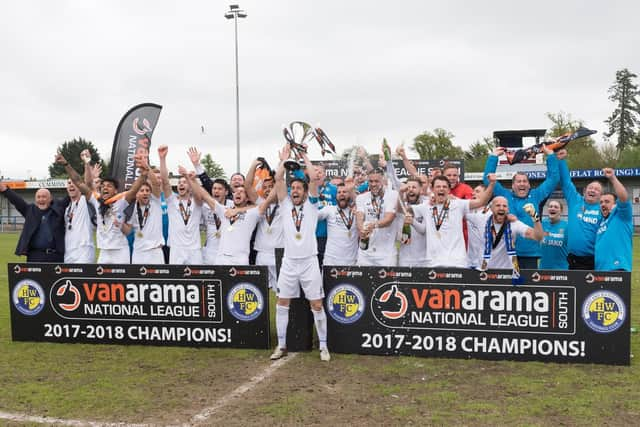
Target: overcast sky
x: 363, y: 70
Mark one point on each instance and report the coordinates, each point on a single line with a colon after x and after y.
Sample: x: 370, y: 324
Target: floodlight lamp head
x: 234, y: 6
x: 229, y: 15
x: 242, y: 15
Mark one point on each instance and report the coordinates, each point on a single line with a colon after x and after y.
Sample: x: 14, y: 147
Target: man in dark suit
x: 42, y: 238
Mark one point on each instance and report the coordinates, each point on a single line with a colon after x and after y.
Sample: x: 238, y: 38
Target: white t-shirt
x: 213, y: 224
x: 236, y: 236
x: 342, y: 233
x: 445, y: 247
x: 300, y: 243
x: 78, y: 226
x: 476, y: 222
x: 499, y: 257
x: 108, y: 236
x: 415, y: 252
x: 269, y: 236
x: 148, y: 235
x: 183, y: 235
x: 381, y: 240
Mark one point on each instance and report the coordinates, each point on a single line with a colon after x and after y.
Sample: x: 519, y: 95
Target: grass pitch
x: 168, y: 385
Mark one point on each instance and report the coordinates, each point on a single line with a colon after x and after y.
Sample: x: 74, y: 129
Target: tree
x: 583, y: 153
x: 437, y: 145
x: 624, y: 119
x: 213, y: 169
x: 71, y: 151
x: 476, y: 156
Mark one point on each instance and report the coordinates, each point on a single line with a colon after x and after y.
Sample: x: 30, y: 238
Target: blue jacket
x: 525, y: 247
x: 32, y: 218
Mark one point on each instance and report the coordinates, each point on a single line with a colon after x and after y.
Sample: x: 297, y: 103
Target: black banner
x: 208, y: 306
x: 339, y: 168
x: 560, y: 316
x: 133, y: 136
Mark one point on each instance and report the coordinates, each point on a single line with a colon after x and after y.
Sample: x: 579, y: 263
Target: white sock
x: 320, y: 319
x: 282, y: 321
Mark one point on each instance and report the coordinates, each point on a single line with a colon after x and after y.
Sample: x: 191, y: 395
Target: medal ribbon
x: 270, y: 214
x: 348, y: 223
x: 216, y: 220
x: 439, y: 218
x: 142, y: 218
x: 71, y: 212
x: 186, y: 213
x: 297, y: 218
x: 377, y: 208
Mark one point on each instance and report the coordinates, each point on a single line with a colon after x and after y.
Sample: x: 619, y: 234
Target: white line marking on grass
x: 22, y: 418
x: 242, y: 389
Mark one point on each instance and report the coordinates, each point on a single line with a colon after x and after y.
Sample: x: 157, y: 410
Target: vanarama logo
x: 335, y: 273
x: 484, y: 276
x: 233, y: 272
x: 592, y: 278
x: 60, y: 270
x: 433, y: 275
x: 28, y: 297
x: 383, y: 274
x: 75, y: 299
x: 245, y: 302
x: 346, y: 304
x: 603, y: 311
x: 537, y: 277
x: 439, y: 306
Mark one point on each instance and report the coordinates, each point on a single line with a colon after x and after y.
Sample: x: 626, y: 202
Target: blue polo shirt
x: 614, y: 239
x: 554, y: 245
x: 583, y: 217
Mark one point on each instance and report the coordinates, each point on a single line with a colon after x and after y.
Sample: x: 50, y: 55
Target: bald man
x: 42, y: 237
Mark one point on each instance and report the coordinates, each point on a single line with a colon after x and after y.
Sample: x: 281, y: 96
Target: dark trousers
x: 581, y: 262
x: 528, y: 262
x: 44, y: 255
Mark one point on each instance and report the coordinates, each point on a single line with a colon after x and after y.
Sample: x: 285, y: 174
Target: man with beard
x: 443, y: 215
x: 185, y: 212
x: 554, y: 242
x: 583, y: 218
x: 375, y: 212
x: 500, y: 235
x: 614, y: 238
x: 300, y: 266
x: 146, y: 223
x: 110, y: 237
x: 520, y: 195
x: 413, y: 249
x: 342, y: 233
x: 42, y: 237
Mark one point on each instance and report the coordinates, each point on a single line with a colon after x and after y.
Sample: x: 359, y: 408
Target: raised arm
x: 248, y: 181
x: 164, y: 172
x: 142, y: 164
x: 280, y: 184
x: 199, y: 191
x: 408, y: 164
x: 619, y: 189
x: 485, y: 196
x: 311, y: 171
x: 14, y: 199
x: 550, y: 183
x: 73, y: 175
x: 490, y: 167
x: 535, y: 233
x: 194, y: 156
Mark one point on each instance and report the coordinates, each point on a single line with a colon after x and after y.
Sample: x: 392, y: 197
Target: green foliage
x: 583, y: 153
x: 476, y: 155
x: 437, y: 145
x: 624, y: 119
x: 213, y: 168
x: 71, y: 151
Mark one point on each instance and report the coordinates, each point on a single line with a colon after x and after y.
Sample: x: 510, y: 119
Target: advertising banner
x: 208, y: 306
x: 133, y: 136
x: 560, y: 316
x: 339, y: 168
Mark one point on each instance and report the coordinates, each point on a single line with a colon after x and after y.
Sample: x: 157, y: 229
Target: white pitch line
x: 242, y: 389
x: 196, y: 419
x: 22, y: 418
